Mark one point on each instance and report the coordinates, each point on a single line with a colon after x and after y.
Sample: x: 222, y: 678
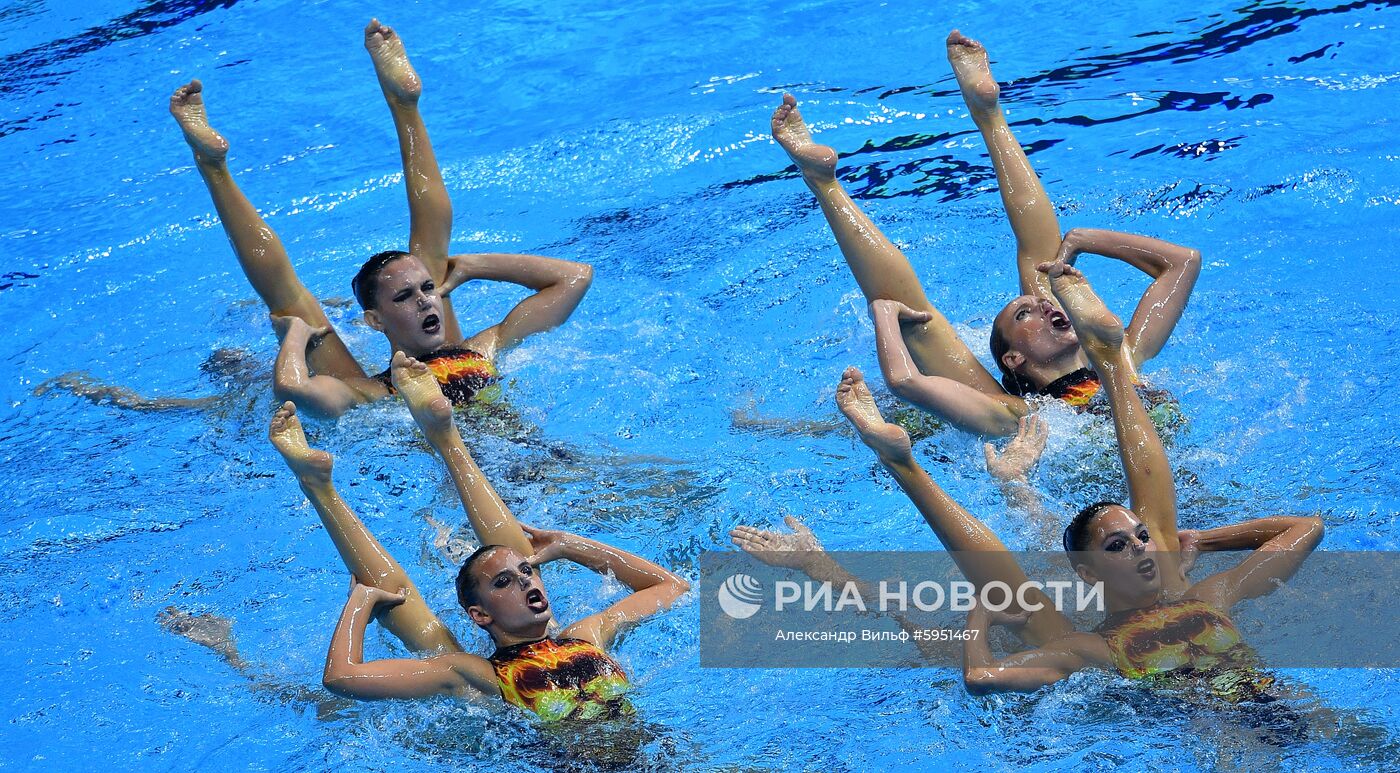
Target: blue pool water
x: 635, y: 139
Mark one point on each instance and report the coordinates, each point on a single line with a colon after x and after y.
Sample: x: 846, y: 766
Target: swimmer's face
x: 1122, y: 554
x: 509, y: 594
x: 1036, y: 331
x: 407, y: 308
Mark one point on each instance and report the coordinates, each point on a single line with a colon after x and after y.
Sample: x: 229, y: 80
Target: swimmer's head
x: 501, y: 592
x: 1031, y: 333
x: 401, y: 301
x: 1107, y: 543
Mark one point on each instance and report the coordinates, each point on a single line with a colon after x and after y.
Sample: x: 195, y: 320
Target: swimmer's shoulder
x: 476, y: 674
x: 1090, y: 647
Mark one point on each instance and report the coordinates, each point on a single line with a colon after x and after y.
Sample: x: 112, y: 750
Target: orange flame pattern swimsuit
x: 562, y: 679
x: 1082, y: 391
x: 462, y: 373
x: 1181, y: 638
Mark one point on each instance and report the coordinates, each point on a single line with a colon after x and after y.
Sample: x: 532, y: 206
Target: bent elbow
x: 979, y: 681
x: 1191, y: 266
x: 904, y: 386
x: 680, y: 586
x: 1316, y: 527
x: 583, y: 277
x: 336, y: 683
x: 284, y: 392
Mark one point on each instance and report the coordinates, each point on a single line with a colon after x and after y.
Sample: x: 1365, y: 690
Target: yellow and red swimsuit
x: 462, y: 373
x: 1180, y: 638
x: 1082, y: 391
x: 562, y: 679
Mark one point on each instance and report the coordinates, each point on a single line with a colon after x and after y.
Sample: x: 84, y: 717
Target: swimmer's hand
x: 377, y: 597
x: 1057, y: 268
x: 1071, y: 247
x: 1015, y: 462
x: 1190, y: 540
x: 981, y: 617
x: 549, y: 545
x: 290, y: 325
x: 797, y: 550
x: 903, y: 313
x: 460, y: 270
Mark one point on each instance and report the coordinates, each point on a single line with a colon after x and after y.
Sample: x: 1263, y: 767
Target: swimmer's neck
x: 530, y: 635
x: 1042, y: 375
x: 415, y: 352
x: 1115, y: 603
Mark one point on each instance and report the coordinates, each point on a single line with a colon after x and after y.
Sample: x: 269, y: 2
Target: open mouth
x: 1059, y: 321
x: 534, y: 599
x: 1147, y: 568
x: 431, y: 324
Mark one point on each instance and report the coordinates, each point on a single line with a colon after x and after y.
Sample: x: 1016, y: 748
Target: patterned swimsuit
x: 1082, y: 391
x: 562, y: 679
x: 1169, y: 641
x: 462, y: 373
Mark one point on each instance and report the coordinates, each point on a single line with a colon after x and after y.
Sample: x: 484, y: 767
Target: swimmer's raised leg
x: 884, y: 273
x: 492, y: 521
x: 978, y: 552
x: 1028, y: 207
x: 429, y: 207
x: 1150, y: 486
x: 368, y: 561
x: 259, y: 251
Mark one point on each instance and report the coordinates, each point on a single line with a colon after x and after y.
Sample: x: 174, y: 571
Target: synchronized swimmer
x: 563, y: 676
x: 922, y: 358
x: 404, y: 295
x: 1056, y: 339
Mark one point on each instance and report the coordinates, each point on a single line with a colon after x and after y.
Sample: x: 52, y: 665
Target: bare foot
x: 419, y: 388
x: 817, y: 162
x: 1100, y: 331
x: 396, y: 76
x: 187, y: 105
x: 211, y: 631
x: 889, y: 441
x: 310, y: 465
x: 969, y: 60
x: 905, y: 314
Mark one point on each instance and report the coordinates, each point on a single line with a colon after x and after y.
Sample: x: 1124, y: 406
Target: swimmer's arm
x: 802, y: 550
x: 84, y: 385
x: 971, y: 410
x: 1173, y: 269
x: 1027, y: 671
x: 559, y: 286
x: 654, y: 589
x: 1280, y: 545
x: 347, y: 674
x: 324, y: 396
x: 820, y: 566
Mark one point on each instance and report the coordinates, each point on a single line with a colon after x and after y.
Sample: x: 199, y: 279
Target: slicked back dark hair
x: 366, y: 281
x: 466, y: 583
x: 1076, y: 539
x: 1014, y: 383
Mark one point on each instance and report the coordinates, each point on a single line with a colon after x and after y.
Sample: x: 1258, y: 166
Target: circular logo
x: 739, y: 596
